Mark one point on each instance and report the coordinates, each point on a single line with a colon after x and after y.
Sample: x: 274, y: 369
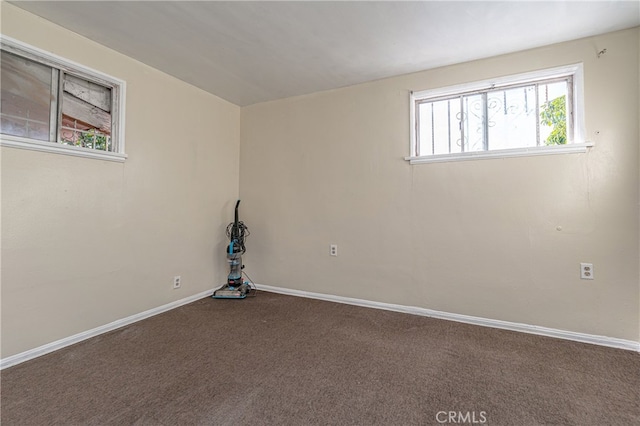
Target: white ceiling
x: 249, y: 52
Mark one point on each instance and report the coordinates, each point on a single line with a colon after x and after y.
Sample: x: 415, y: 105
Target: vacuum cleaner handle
x: 235, y: 232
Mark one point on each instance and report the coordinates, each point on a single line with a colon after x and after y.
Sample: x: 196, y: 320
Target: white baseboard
x: 59, y: 344
x: 525, y: 328
x: 485, y: 322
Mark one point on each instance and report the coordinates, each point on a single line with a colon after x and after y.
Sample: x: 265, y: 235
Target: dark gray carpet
x: 281, y: 360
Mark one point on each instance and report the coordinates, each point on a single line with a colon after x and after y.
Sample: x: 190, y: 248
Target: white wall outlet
x: 333, y: 249
x: 176, y: 281
x: 586, y: 271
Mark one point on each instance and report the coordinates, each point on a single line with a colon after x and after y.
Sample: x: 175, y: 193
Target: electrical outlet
x: 586, y: 271
x: 176, y: 281
x: 333, y: 249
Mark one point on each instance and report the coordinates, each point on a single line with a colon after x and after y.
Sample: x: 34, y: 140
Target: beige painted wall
x: 86, y: 242
x: 476, y: 237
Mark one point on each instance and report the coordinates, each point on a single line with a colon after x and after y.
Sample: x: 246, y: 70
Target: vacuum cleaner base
x: 229, y: 292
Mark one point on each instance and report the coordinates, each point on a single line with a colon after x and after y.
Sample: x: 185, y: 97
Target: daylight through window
x: 43, y: 101
x: 511, y: 113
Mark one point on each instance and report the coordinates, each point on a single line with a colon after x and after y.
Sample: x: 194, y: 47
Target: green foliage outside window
x: 554, y: 114
x: 93, y: 139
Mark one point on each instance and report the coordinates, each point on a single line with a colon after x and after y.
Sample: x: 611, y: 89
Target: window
x: 526, y: 114
x: 50, y: 104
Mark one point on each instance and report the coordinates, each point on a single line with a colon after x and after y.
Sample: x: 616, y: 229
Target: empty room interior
x: 320, y: 213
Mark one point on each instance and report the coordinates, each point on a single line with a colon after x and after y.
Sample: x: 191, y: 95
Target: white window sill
x: 503, y: 153
x: 56, y: 148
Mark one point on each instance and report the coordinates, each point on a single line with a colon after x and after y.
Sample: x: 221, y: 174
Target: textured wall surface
x: 475, y: 237
x: 86, y: 242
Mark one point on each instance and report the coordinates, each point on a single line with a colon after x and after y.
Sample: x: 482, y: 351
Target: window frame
x: 118, y: 92
x: 578, y: 143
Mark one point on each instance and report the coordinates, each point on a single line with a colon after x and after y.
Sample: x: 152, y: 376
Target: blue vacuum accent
x: 235, y: 288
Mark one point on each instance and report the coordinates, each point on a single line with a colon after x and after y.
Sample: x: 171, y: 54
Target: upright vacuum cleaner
x: 235, y: 288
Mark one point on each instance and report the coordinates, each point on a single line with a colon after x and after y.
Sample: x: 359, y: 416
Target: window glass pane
x: 535, y: 111
x: 26, y: 97
x: 473, y: 123
x: 553, y: 113
x: 86, y: 114
x: 425, y: 129
x: 512, y: 118
x: 446, y: 129
x: 455, y: 119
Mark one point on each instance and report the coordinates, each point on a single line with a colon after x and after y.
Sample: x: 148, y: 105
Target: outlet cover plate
x: 586, y: 271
